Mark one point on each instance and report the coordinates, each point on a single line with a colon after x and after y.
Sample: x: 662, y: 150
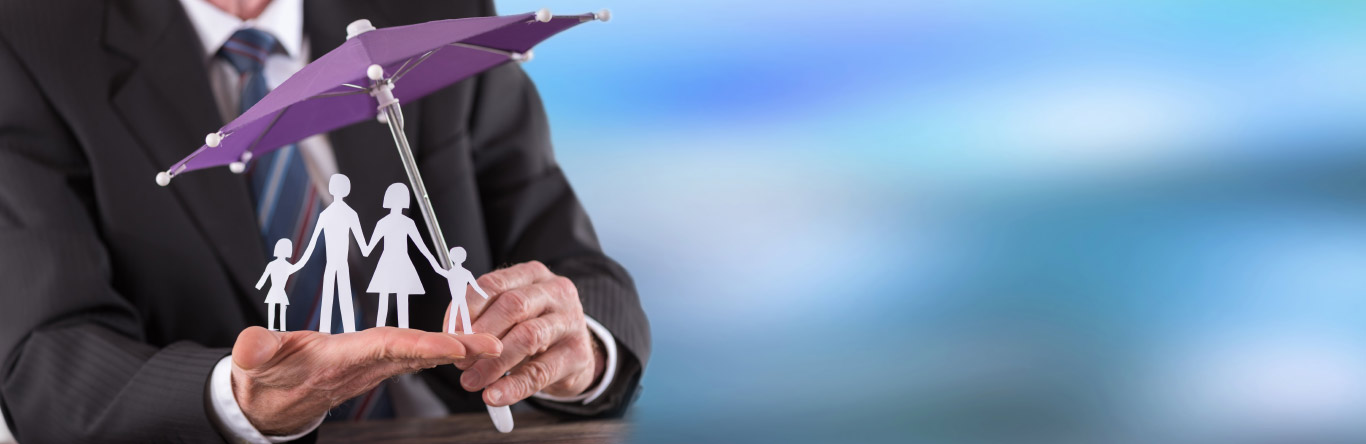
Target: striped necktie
x: 287, y: 204
x: 287, y: 207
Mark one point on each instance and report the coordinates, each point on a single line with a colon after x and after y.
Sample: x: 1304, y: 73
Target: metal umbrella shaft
x: 502, y: 416
x: 394, y: 116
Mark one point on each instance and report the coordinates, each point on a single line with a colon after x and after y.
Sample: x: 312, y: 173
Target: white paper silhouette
x: 457, y: 278
x: 337, y: 223
x: 395, y: 273
x: 278, y: 272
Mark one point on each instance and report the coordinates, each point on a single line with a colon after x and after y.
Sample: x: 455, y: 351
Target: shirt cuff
x: 232, y: 422
x: 609, y: 343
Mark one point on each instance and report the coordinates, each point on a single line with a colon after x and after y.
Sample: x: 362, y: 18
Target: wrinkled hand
x: 286, y: 380
x: 546, y: 342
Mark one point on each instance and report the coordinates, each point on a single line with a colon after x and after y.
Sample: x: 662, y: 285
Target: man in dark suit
x: 121, y: 299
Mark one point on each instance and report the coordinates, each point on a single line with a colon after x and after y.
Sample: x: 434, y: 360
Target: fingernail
x: 470, y: 378
x: 495, y: 394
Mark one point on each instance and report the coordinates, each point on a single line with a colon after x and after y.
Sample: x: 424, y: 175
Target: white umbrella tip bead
x: 213, y: 139
x: 374, y: 72
x: 163, y: 178
x: 603, y: 15
x: 382, y: 118
x: 237, y: 167
x: 523, y: 56
x: 543, y: 15
x: 358, y: 27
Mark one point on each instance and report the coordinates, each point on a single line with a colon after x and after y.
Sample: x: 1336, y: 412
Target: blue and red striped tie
x: 287, y: 207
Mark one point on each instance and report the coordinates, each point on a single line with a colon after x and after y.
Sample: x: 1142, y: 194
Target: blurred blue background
x: 980, y: 221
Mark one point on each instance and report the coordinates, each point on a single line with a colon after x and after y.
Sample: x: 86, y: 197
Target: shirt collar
x: 283, y: 19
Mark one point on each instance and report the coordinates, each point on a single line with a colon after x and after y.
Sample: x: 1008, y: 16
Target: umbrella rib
x: 582, y: 18
x: 405, y: 69
x: 482, y: 48
x: 337, y: 94
x: 410, y: 60
x: 354, y: 86
x: 185, y: 162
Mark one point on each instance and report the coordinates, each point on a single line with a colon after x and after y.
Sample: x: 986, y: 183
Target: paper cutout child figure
x: 395, y: 273
x: 457, y: 278
x: 337, y: 223
x: 278, y: 272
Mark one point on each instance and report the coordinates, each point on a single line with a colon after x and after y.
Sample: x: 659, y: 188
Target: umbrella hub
x: 383, y: 90
x: 358, y: 27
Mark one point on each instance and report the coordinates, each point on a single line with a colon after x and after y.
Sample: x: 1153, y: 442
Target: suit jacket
x: 119, y: 296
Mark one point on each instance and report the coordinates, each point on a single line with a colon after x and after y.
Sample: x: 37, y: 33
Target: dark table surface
x: 475, y: 428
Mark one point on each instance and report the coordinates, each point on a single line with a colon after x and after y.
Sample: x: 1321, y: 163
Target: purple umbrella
x: 367, y: 76
x: 338, y: 89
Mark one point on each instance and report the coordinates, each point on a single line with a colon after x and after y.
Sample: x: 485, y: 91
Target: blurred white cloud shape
x: 1282, y: 383
x: 1098, y: 117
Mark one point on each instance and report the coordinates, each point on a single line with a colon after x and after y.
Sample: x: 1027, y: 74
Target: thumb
x: 255, y: 347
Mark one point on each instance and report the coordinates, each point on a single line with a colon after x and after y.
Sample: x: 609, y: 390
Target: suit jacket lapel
x: 165, y: 101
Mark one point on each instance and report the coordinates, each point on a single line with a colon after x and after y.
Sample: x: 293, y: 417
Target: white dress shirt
x: 283, y: 19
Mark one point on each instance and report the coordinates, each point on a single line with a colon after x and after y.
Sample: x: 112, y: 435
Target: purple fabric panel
x: 520, y: 37
x: 448, y: 65
x: 346, y: 64
x: 389, y: 45
x: 317, y: 116
x: 297, y: 122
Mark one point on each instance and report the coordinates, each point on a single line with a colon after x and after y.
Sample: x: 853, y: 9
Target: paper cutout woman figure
x: 337, y: 223
x: 395, y: 273
x: 278, y: 272
x: 457, y: 278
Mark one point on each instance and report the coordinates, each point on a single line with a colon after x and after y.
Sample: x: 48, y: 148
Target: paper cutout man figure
x: 337, y: 223
x: 395, y: 273
x: 457, y: 278
x: 278, y: 272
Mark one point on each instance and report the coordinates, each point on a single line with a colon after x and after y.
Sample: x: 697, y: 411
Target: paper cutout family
x: 335, y: 95
x: 394, y: 275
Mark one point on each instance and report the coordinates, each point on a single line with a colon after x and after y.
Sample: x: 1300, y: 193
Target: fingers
x: 512, y: 307
x: 526, y: 339
x: 445, y: 320
x: 255, y: 347
x: 555, y: 367
x: 515, y: 276
x: 499, y: 281
x: 515, y: 306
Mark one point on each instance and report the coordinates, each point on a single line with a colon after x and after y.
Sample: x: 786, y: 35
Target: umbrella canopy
x: 336, y: 90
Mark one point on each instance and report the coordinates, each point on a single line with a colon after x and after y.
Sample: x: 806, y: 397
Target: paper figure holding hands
x: 395, y: 273
x: 337, y: 223
x: 457, y: 278
x: 278, y: 272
